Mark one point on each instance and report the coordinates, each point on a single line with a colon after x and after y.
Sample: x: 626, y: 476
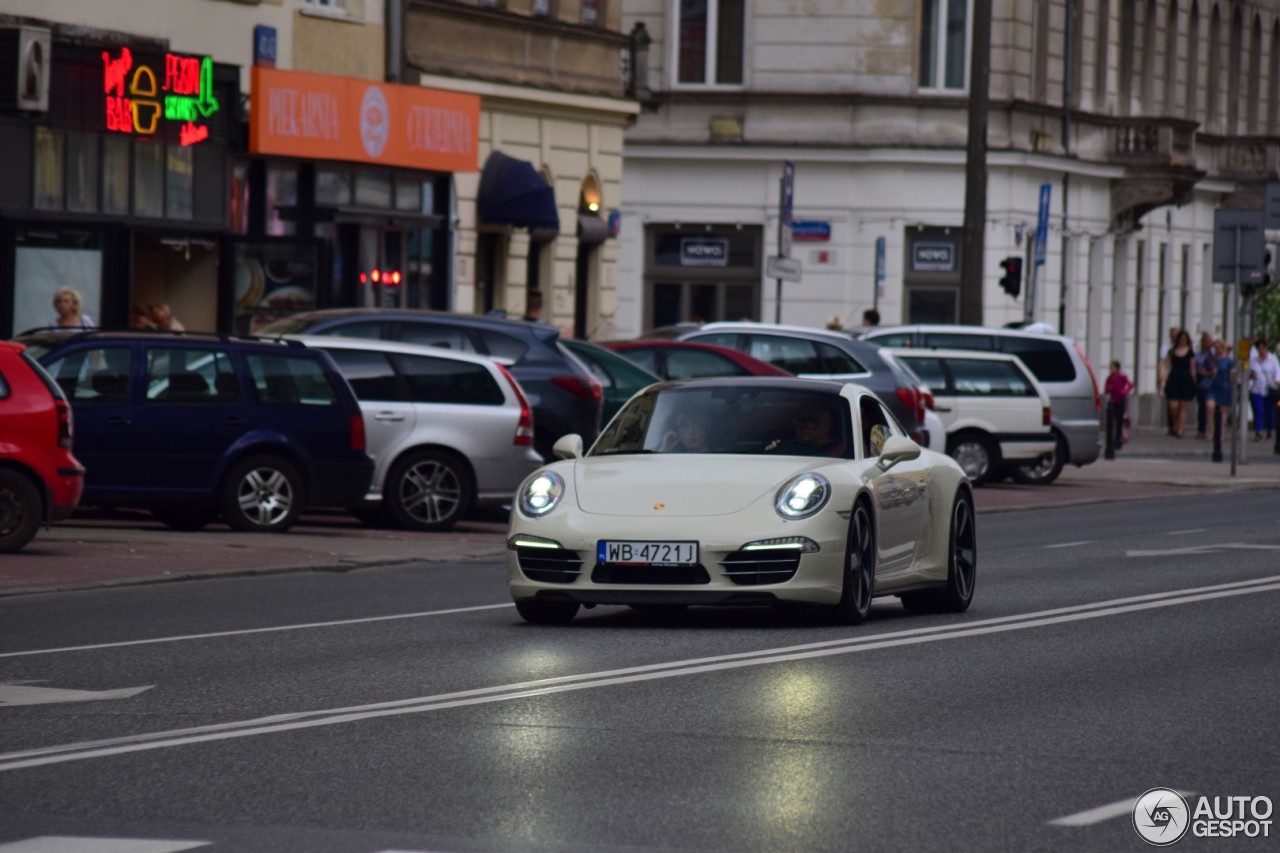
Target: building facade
x: 1132, y: 121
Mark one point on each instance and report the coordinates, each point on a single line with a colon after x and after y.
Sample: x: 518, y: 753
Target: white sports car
x: 744, y: 491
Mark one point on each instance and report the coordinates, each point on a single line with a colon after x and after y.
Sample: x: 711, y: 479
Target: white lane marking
x: 1071, y: 544
x: 502, y: 693
x: 1089, y: 817
x: 77, y: 844
x: 246, y: 631
x: 1204, y: 549
x: 1186, y: 532
x: 23, y: 693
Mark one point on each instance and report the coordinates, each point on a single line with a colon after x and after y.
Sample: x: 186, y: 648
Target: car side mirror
x: 568, y: 446
x: 897, y: 449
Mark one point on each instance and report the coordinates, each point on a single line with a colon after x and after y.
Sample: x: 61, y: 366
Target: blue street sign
x: 879, y: 261
x: 1042, y: 225
x: 811, y: 229
x: 264, y: 46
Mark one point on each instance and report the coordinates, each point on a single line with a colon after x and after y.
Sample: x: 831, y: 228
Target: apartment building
x: 1134, y: 120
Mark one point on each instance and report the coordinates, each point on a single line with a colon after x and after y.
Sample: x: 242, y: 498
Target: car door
x: 98, y: 379
x: 995, y: 395
x: 901, y: 493
x: 190, y: 412
x: 390, y: 417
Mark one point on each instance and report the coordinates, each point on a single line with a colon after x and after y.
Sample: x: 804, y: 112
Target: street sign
x: 1232, y: 262
x: 811, y: 230
x: 783, y: 269
x: 1042, y: 225
x: 875, y: 300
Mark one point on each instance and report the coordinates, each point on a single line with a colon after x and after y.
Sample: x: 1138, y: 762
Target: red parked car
x: 689, y: 359
x: 40, y: 481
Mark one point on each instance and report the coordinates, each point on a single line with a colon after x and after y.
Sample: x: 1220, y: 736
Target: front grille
x: 673, y: 575
x: 767, y: 565
x: 549, y: 565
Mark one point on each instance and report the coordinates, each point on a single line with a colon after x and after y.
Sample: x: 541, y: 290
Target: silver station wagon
x: 447, y: 430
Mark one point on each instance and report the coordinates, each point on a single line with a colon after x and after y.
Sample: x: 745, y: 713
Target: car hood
x: 685, y: 484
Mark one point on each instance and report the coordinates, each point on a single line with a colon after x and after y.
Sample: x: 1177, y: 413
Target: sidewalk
x: 131, y: 548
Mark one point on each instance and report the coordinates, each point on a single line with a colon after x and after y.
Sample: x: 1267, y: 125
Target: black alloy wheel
x: 20, y: 511
x: 859, y: 568
x: 962, y: 566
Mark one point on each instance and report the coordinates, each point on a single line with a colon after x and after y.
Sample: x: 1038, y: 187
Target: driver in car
x: 813, y: 426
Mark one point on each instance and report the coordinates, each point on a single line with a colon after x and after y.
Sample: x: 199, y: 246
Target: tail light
x: 357, y: 432
x: 1045, y: 417
x: 1097, y: 397
x: 913, y: 399
x: 65, y: 424
x: 580, y: 386
x: 524, y: 429
x: 929, y: 402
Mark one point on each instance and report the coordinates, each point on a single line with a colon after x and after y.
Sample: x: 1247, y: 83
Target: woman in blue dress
x: 1218, y: 395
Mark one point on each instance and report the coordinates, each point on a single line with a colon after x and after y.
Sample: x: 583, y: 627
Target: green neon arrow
x: 206, y: 102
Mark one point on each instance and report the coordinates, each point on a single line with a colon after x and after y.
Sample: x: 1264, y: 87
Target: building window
x: 541, y: 8
x: 591, y: 12
x: 944, y: 44
x: 51, y: 148
x: 179, y: 182
x: 710, y: 42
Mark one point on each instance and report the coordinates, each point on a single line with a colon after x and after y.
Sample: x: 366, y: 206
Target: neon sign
x: 135, y: 102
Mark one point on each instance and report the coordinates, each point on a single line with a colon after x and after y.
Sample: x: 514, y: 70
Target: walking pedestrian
x: 1180, y: 381
x: 1118, y: 387
x: 1218, y: 395
x: 1204, y: 375
x: 69, y: 306
x: 1264, y: 380
x: 1162, y: 365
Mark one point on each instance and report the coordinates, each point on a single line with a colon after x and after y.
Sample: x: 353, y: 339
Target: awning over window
x: 513, y: 193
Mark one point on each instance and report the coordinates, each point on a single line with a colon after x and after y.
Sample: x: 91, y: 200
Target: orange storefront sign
x: 320, y: 117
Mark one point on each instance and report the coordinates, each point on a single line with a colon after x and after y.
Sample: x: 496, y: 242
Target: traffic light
x: 1012, y: 280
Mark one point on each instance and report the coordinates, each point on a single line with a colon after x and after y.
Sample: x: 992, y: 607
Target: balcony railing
x: 1155, y: 142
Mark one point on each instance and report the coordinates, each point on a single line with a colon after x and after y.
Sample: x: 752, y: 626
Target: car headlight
x: 803, y: 496
x: 541, y: 494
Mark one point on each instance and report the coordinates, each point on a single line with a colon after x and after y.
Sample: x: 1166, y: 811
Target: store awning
x: 513, y: 193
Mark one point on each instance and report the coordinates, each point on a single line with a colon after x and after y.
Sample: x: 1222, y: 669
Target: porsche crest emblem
x: 659, y: 506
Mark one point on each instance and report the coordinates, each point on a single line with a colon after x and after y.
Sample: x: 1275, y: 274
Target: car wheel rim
x: 430, y: 492
x: 266, y: 496
x: 972, y: 458
x: 11, y: 512
x: 1042, y: 466
x: 862, y: 560
x: 964, y: 549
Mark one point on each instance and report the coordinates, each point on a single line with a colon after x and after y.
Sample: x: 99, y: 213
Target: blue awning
x: 513, y: 193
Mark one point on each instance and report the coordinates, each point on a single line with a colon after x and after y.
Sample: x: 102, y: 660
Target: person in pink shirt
x: 1117, y: 389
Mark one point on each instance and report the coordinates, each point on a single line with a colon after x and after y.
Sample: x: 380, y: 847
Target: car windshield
x: 730, y: 419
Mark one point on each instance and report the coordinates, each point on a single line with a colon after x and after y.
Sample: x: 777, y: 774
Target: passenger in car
x: 691, y: 435
x: 813, y: 426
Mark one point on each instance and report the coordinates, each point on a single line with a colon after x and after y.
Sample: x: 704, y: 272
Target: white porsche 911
x: 744, y: 491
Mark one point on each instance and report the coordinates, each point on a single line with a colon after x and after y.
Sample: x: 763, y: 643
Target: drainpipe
x: 395, y: 39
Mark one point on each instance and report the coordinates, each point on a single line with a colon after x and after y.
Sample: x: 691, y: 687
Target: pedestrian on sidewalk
x: 1180, y: 381
x: 1205, y: 368
x: 1218, y: 395
x: 1264, y: 383
x: 1162, y: 368
x: 1118, y: 387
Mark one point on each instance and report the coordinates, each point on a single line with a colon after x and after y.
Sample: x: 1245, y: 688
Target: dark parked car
x: 821, y: 354
x: 564, y: 395
x: 40, y: 481
x: 194, y: 426
x: 693, y: 360
x: 620, y: 377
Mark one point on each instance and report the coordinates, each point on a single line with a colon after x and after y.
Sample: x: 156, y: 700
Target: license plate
x: 647, y: 553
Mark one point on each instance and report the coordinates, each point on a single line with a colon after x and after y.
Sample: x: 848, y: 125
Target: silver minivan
x: 447, y: 430
x: 1056, y: 361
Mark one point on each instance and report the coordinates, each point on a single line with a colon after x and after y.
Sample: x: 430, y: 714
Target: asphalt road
x: 1110, y: 649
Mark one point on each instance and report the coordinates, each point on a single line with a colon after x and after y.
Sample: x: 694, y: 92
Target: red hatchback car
x: 690, y: 360
x: 40, y: 481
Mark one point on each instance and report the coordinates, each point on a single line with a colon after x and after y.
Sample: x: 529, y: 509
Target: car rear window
x: 369, y: 374
x: 983, y: 378
x: 291, y: 380
x: 646, y: 358
x: 891, y: 339
x: 455, y: 338
x: 1047, y: 359
x: 442, y: 380
x: 503, y: 346
x: 793, y: 354
x: 958, y: 340
x: 839, y: 361
x: 930, y: 372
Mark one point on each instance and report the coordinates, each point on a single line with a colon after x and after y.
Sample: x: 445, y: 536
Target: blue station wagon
x: 199, y: 426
